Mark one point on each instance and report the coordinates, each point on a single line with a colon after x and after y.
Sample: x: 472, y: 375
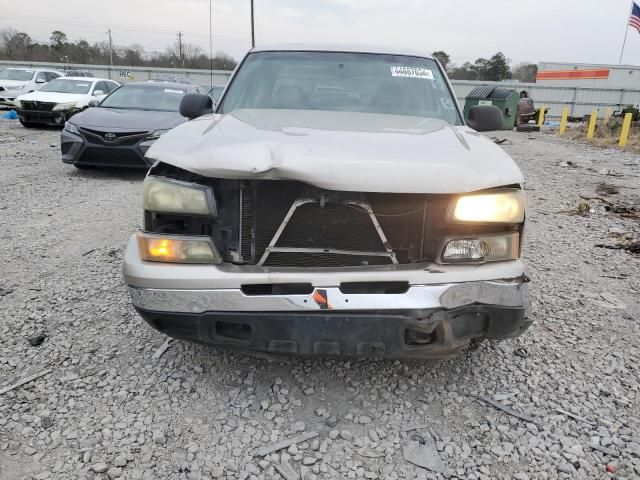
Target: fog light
x: 490, y: 248
x: 162, y: 248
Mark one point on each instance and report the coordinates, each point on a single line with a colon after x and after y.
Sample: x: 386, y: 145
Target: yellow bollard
x: 563, y: 120
x: 541, y: 117
x: 607, y: 115
x: 626, y: 126
x: 592, y: 125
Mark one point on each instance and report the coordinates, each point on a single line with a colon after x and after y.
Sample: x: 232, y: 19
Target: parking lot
x: 561, y: 401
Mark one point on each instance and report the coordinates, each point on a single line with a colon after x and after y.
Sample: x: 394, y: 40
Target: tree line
x: 15, y: 45
x: 496, y: 68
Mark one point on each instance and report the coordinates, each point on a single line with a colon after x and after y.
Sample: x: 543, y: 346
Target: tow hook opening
x: 413, y: 337
x: 234, y: 332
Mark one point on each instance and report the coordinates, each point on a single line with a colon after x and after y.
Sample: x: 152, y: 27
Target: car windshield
x: 16, y: 74
x: 348, y: 82
x: 165, y: 98
x: 67, y: 86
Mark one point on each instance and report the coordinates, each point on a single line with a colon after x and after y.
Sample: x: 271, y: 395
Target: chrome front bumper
x: 511, y: 293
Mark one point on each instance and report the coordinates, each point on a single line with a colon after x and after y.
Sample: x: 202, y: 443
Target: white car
x: 336, y: 203
x: 59, y: 99
x: 18, y: 81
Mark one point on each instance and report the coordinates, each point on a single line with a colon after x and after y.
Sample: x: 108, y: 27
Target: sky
x: 588, y: 31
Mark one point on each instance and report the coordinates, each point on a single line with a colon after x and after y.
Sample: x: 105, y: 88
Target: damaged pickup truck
x: 334, y: 203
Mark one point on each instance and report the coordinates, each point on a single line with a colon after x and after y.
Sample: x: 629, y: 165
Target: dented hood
x: 342, y: 151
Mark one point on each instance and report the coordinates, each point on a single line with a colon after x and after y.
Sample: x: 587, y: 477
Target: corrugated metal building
x: 581, y: 100
x: 588, y: 75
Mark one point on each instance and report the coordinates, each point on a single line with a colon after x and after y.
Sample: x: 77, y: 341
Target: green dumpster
x: 503, y: 98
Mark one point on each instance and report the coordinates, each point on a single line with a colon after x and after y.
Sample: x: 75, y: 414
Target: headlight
x: 175, y: 249
x: 64, y: 106
x: 156, y: 134
x: 174, y: 196
x: 499, y: 207
x: 71, y: 128
x: 489, y: 248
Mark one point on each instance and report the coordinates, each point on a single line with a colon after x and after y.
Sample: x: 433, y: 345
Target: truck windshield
x: 347, y: 82
x: 67, y: 86
x: 158, y: 97
x: 16, y: 74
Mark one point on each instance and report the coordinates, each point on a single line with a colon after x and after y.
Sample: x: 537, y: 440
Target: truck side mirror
x: 484, y: 118
x: 194, y: 105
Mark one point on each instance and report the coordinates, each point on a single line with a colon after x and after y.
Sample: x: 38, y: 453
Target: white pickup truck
x: 335, y: 203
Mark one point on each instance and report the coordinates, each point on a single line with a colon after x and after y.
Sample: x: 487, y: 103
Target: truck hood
x: 342, y: 151
x: 55, y: 97
x: 122, y: 119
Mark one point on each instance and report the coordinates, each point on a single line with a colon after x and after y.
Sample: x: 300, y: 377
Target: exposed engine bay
x: 277, y: 223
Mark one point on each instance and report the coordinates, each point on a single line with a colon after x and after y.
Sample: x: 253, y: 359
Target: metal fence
x: 580, y: 100
x: 130, y: 74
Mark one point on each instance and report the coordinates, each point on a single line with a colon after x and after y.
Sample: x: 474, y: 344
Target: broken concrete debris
x: 263, y: 451
x: 421, y: 450
x: 25, y: 380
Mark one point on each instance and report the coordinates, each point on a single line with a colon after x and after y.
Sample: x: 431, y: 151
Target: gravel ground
x: 108, y: 409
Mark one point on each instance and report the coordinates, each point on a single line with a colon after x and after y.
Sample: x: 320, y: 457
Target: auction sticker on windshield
x: 412, y: 72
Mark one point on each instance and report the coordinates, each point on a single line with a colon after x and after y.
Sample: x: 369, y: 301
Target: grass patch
x: 606, y: 135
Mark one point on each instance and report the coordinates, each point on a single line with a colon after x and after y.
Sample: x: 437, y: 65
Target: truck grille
x: 327, y: 228
x: 335, y: 226
x: 247, y: 222
x: 307, y: 260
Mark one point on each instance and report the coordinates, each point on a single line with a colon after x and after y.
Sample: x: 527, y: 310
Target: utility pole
x: 110, y: 47
x: 253, y: 30
x: 180, y: 49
